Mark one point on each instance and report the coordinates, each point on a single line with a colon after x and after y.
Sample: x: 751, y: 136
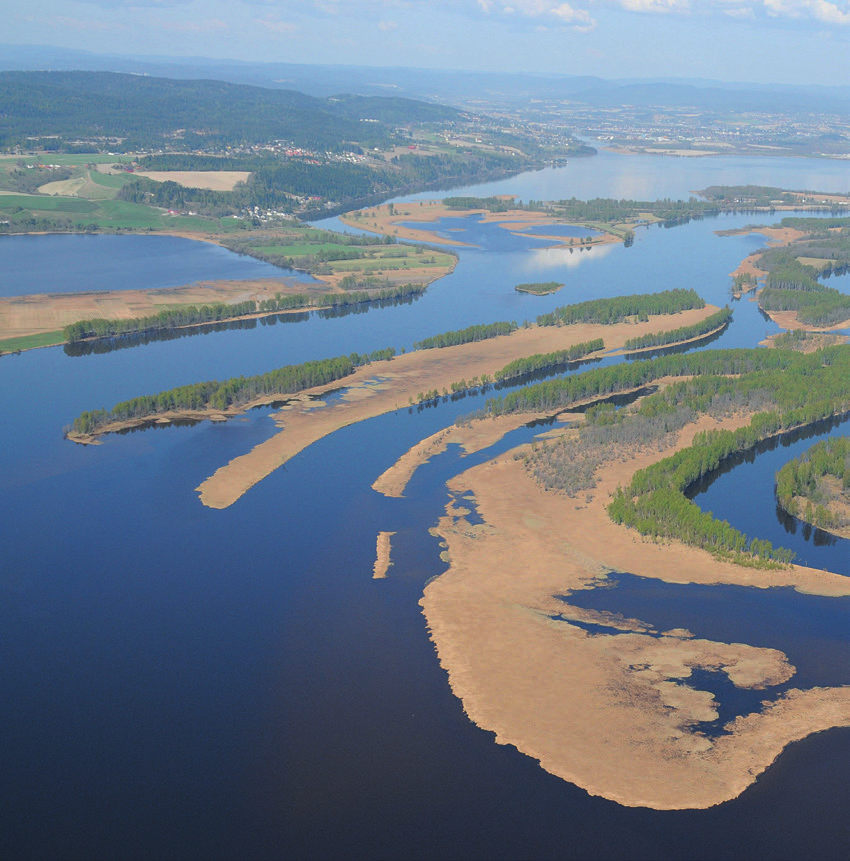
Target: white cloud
x: 830, y: 13
x: 386, y: 26
x: 821, y: 11
x: 578, y: 15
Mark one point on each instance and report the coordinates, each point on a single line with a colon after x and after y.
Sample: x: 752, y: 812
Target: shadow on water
x: 677, y: 348
x: 808, y: 532
x: 140, y: 339
x: 783, y: 440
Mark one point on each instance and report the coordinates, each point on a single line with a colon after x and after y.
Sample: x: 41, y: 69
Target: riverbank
x: 606, y: 712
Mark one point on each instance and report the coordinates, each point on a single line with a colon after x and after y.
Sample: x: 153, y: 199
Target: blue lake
x: 67, y: 263
x: 186, y: 683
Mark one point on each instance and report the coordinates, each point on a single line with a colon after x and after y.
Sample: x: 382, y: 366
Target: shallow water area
x: 811, y: 630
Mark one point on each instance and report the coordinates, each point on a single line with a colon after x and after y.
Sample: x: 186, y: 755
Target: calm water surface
x: 66, y: 263
x: 181, y: 683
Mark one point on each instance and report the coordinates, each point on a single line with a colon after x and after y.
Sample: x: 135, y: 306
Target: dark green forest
x: 197, y: 315
x: 147, y: 112
x: 618, y: 308
x: 480, y: 332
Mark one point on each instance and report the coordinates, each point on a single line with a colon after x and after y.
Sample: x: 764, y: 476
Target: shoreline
x: 605, y: 712
x: 54, y: 311
x: 40, y: 314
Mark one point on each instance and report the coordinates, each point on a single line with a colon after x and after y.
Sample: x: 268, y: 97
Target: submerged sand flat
x: 389, y: 385
x: 605, y: 712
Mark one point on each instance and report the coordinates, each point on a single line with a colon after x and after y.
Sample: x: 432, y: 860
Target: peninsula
x: 612, y: 704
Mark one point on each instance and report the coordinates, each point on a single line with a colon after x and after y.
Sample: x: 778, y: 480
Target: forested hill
x: 144, y: 112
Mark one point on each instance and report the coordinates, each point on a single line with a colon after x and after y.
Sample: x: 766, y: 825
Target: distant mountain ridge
x: 446, y: 86
x: 147, y: 110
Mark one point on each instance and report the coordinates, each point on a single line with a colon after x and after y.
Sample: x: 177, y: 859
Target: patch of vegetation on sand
x: 539, y: 288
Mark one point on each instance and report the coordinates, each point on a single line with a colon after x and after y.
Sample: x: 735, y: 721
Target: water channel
x: 184, y: 683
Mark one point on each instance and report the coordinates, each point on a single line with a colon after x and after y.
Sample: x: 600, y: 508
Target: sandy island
x: 389, y: 219
x: 605, y: 712
x: 39, y: 313
x: 777, y: 237
x: 44, y: 313
x: 383, y: 551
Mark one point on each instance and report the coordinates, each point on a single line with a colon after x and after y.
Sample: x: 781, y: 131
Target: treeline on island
x: 193, y: 315
x: 235, y: 392
x: 793, y: 271
x: 479, y: 332
x: 600, y: 209
x: 788, y: 390
x: 619, y: 308
x: 542, y: 361
x: 793, y: 286
x: 552, y: 396
x: 516, y: 368
x: 683, y: 333
x: 540, y: 288
x: 800, y: 486
x: 807, y: 389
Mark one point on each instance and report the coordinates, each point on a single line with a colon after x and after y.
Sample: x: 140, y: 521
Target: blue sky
x: 783, y: 41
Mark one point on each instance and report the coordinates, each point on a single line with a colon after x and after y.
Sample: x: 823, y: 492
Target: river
x: 184, y: 683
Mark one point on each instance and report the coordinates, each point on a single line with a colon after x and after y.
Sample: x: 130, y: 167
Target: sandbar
x: 382, y: 558
x: 46, y: 312
x: 605, y: 712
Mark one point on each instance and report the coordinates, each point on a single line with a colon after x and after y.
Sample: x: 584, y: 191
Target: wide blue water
x: 179, y: 682
x: 66, y: 263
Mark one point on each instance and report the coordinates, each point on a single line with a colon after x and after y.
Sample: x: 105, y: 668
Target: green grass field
x: 304, y: 250
x: 37, y: 203
x: 392, y: 263
x: 66, y: 159
x: 29, y: 342
x: 107, y: 214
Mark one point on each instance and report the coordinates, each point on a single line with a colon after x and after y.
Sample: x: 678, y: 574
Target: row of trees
x: 196, y: 315
x: 541, y: 361
x: 683, y: 333
x: 618, y: 308
x: 713, y: 367
x: 234, y: 392
x: 479, y: 332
